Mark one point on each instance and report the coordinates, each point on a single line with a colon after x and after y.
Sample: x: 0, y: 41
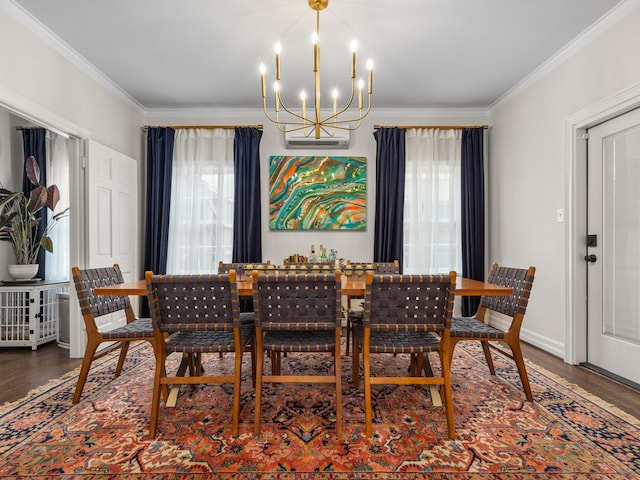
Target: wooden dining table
x: 351, y: 286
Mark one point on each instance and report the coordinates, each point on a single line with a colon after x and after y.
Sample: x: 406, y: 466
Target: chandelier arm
x: 269, y: 117
x: 291, y: 112
x: 351, y: 120
x: 344, y: 109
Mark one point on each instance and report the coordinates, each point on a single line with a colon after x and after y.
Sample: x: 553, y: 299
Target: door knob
x: 590, y: 258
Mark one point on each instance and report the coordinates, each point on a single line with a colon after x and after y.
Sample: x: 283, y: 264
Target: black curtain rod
x: 178, y: 127
x: 441, y: 127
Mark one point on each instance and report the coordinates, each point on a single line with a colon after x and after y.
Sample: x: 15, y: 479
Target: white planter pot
x: 23, y: 272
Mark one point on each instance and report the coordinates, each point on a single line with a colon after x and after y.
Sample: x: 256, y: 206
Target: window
x: 432, y: 208
x: 202, y: 196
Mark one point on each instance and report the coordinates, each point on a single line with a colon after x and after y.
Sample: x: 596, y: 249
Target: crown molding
x: 56, y: 43
x: 606, y: 22
x: 255, y: 115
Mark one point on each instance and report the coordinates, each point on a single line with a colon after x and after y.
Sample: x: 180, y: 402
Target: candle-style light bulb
x: 370, y: 68
x: 354, y: 47
x: 276, y: 88
x: 263, y: 70
x: 360, y: 87
x: 278, y: 49
x: 303, y: 100
x: 334, y: 94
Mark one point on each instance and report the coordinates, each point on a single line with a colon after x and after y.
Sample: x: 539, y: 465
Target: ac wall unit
x: 298, y: 139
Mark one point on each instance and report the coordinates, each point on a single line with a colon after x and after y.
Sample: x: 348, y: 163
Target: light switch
x: 560, y: 215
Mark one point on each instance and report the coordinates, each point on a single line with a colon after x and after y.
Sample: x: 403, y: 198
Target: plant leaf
x: 53, y: 197
x: 37, y: 199
x: 7, y: 197
x: 33, y: 170
x: 47, y: 244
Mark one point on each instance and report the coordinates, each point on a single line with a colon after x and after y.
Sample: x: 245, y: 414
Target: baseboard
x: 542, y: 342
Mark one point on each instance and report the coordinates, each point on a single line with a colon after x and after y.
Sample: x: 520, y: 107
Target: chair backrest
x: 416, y: 303
x: 225, y: 267
x: 392, y: 268
x: 356, y: 269
x: 301, y: 301
x: 243, y: 268
x: 520, y: 280
x: 260, y: 267
x: 190, y: 303
x: 93, y: 306
x: 306, y: 267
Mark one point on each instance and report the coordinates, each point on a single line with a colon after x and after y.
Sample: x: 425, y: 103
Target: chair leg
x: 157, y: 387
x: 237, y: 379
x: 355, y: 362
x: 124, y: 348
x: 448, y: 396
x: 258, y: 380
x: 487, y: 355
x: 349, y: 328
x: 337, y: 372
x: 522, y: 369
x: 368, y: 414
x: 90, y: 351
x: 252, y: 347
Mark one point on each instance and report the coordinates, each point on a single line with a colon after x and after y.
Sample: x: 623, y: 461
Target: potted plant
x: 19, y: 222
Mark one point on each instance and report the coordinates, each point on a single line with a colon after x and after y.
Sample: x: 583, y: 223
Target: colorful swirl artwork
x: 317, y: 193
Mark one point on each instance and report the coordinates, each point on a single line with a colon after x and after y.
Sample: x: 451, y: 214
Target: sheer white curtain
x: 432, y: 205
x: 57, y: 263
x: 201, y: 215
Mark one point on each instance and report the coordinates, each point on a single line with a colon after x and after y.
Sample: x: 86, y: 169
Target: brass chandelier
x: 315, y: 124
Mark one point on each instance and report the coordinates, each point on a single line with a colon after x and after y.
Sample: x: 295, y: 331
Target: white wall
x: 36, y: 77
x: 41, y: 85
x: 357, y: 246
x: 528, y: 181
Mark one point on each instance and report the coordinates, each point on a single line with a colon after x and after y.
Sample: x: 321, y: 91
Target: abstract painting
x: 317, y: 193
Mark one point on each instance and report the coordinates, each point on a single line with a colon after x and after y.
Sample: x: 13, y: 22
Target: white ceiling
x: 170, y: 54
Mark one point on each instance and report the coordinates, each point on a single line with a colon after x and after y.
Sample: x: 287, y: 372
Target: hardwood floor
x: 24, y: 369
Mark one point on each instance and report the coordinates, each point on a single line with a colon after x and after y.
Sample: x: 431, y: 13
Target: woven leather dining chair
x: 95, y: 306
x: 306, y: 267
x: 297, y: 313
x: 405, y: 314
x: 354, y: 314
x: 201, y: 315
x: 246, y: 303
x: 476, y: 328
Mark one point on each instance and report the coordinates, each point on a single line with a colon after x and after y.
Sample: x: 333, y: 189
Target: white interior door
x: 112, y: 215
x: 613, y: 246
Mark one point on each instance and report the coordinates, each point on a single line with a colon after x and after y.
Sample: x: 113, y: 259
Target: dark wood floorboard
x: 24, y: 370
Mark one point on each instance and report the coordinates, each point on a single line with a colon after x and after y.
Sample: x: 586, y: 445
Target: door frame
x: 576, y: 125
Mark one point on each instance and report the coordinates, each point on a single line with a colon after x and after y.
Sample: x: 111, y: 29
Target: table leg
x: 175, y: 389
x: 433, y: 389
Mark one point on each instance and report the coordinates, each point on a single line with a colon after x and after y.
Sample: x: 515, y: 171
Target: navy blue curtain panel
x: 247, y: 230
x: 33, y: 143
x: 472, y: 184
x: 159, y: 167
x: 389, y: 216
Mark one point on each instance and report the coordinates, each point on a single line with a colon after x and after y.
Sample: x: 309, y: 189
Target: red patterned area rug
x: 565, y: 433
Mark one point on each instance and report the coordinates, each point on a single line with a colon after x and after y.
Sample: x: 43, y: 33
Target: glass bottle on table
x: 312, y: 255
